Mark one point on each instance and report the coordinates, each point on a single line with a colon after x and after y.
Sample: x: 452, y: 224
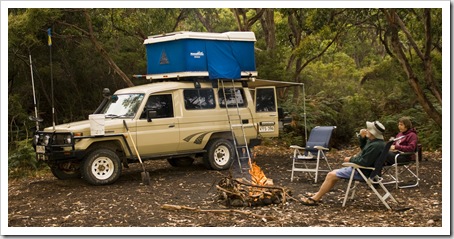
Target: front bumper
x: 55, y: 146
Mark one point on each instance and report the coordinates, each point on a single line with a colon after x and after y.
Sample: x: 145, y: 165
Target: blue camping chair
x: 307, y: 159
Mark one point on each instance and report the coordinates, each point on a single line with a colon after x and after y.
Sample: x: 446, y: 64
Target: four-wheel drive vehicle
x: 177, y: 120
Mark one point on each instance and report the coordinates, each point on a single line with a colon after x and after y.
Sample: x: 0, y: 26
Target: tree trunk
x: 103, y: 52
x: 204, y: 20
x: 412, y: 78
x: 269, y: 28
x: 244, y: 24
x: 425, y: 58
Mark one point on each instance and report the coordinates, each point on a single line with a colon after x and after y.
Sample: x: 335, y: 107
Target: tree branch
x: 102, y: 51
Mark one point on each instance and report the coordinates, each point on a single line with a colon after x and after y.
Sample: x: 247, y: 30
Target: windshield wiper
x: 114, y: 116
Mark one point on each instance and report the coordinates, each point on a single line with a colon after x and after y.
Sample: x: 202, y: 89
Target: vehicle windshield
x: 125, y: 105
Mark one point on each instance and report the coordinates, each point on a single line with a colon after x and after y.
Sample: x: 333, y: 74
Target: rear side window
x: 265, y: 101
x: 162, y: 104
x: 233, y: 97
x: 198, y: 99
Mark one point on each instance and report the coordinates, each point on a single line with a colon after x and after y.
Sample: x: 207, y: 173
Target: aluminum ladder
x: 236, y: 124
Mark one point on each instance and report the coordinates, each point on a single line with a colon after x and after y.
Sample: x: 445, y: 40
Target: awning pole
x: 304, y: 112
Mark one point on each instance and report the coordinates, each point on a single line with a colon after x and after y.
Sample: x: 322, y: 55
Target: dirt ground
x: 49, y: 202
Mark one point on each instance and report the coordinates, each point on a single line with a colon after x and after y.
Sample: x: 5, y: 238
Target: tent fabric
x: 221, y: 59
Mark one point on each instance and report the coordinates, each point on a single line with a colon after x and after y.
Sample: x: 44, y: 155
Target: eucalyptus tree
x: 415, y: 39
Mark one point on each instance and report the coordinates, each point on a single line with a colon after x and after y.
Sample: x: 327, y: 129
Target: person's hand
x: 393, y: 147
x: 363, y: 133
x: 347, y: 159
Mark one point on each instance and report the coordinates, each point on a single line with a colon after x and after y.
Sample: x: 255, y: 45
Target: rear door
x: 266, y: 111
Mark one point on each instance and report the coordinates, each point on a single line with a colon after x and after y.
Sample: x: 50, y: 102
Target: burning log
x: 259, y: 191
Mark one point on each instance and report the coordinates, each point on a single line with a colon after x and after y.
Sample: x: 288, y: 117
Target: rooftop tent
x: 228, y: 55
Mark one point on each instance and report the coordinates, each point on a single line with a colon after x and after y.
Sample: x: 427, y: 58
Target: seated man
x: 371, y: 144
x: 407, y: 143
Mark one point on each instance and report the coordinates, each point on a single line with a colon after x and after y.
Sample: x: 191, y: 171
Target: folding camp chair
x: 398, y: 171
x: 307, y: 159
x: 372, y: 180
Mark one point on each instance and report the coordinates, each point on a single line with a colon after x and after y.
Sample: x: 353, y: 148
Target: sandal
x: 311, y: 195
x: 308, y: 201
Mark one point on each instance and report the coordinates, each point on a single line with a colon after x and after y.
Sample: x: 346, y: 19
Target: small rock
x: 430, y: 222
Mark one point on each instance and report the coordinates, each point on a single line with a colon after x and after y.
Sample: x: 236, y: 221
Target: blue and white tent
x: 228, y: 55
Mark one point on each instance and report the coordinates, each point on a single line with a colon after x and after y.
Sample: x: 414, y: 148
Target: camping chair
x: 307, y: 159
x: 397, y: 171
x: 372, y: 180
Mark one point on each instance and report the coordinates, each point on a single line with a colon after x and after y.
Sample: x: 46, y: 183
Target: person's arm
x: 368, y: 156
x: 362, y: 142
x: 362, y: 139
x: 411, y: 141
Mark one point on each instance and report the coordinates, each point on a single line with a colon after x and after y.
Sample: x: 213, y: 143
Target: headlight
x: 68, y: 139
x: 46, y: 140
x: 36, y: 139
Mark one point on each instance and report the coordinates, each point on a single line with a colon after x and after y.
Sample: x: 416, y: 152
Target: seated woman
x: 407, y: 143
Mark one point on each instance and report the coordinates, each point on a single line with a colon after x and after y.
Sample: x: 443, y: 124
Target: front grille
x: 54, y: 138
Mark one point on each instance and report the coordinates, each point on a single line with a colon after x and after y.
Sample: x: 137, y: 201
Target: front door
x: 161, y: 135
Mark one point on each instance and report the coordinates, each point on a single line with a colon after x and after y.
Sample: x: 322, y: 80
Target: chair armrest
x: 296, y: 147
x: 321, y: 148
x: 354, y: 165
x: 405, y: 153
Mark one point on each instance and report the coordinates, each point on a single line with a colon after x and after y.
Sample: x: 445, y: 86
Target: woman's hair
x: 406, y: 121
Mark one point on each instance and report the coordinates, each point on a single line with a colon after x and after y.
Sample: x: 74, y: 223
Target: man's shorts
x: 347, y: 172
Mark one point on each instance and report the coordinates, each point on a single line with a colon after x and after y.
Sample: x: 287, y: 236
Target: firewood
x: 284, y: 191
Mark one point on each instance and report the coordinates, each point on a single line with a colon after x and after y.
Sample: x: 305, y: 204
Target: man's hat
x: 375, y: 128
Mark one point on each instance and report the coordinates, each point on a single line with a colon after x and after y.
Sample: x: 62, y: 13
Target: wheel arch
x: 218, y: 135
x: 115, y: 145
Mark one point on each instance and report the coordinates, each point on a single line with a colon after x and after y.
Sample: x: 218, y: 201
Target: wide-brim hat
x: 376, y: 128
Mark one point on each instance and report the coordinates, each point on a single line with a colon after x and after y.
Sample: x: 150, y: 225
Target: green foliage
x: 354, y: 81
x: 22, y: 160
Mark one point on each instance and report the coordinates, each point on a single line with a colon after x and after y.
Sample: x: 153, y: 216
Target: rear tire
x: 101, y: 167
x: 220, y: 154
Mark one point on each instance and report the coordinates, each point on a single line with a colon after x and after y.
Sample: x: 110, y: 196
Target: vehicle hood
x: 111, y: 126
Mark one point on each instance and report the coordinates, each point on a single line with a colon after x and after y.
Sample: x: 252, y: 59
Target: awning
x: 277, y: 84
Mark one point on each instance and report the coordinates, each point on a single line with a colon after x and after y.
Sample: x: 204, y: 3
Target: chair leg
x: 396, y: 171
x: 383, y: 197
x: 293, y: 168
x: 317, y: 165
x: 348, y: 187
x: 416, y: 176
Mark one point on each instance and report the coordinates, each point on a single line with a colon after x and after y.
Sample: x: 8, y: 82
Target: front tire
x: 220, y: 154
x: 101, y: 167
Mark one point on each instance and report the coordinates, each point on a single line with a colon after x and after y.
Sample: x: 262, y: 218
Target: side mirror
x: 35, y: 119
x: 151, y: 114
x: 280, y: 113
x: 106, y: 93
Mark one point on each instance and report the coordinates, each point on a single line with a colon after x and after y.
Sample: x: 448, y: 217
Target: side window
x: 233, y: 97
x: 265, y: 101
x: 162, y: 104
x: 198, y: 99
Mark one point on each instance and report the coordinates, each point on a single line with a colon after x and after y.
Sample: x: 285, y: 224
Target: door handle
x: 171, y: 125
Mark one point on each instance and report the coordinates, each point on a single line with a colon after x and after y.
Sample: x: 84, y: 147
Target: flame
x: 257, y: 175
x: 258, y: 178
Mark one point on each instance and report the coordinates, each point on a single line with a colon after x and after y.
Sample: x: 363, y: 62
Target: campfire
x: 256, y: 191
